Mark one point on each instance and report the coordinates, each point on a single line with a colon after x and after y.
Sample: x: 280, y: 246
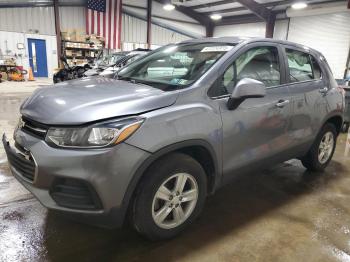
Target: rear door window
x: 302, y: 66
x: 316, y: 68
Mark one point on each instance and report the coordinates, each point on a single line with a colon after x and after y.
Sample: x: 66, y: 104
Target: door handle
x: 282, y: 103
x: 323, y: 90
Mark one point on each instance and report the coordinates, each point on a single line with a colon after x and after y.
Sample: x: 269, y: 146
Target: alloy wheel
x: 325, y: 148
x: 175, y: 200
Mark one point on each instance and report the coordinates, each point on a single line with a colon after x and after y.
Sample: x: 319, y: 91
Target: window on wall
x: 302, y: 66
x: 260, y: 63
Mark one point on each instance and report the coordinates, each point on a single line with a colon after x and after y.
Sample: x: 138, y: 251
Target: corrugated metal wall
x: 31, y: 19
x: 281, y: 29
x: 248, y: 30
x: 329, y: 34
x: 135, y: 31
x: 72, y: 17
x: 163, y: 36
x: 41, y: 20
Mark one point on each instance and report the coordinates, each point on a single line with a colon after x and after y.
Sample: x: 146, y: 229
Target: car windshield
x: 174, y: 66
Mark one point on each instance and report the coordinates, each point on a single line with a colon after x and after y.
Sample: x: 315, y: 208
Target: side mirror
x: 246, y: 88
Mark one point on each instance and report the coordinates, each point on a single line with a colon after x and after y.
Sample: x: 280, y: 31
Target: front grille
x: 22, y: 162
x: 34, y: 128
x: 74, y: 193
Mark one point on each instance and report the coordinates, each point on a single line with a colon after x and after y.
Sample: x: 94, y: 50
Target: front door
x: 258, y: 129
x: 37, y: 57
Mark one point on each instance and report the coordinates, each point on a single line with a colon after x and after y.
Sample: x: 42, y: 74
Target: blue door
x: 37, y: 57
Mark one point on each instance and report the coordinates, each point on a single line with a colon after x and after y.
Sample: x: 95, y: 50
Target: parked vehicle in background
x: 110, y: 64
x: 152, y: 146
x: 69, y: 72
x: 345, y: 84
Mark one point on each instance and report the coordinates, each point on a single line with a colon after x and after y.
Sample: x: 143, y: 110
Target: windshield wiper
x: 130, y: 80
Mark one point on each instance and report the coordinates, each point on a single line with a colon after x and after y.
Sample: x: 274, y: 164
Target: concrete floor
x: 281, y: 214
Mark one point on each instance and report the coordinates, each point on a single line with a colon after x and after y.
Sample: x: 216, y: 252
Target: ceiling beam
x: 226, y: 10
x: 259, y: 10
x: 222, y: 2
x: 200, y: 18
x: 271, y: 4
x: 239, y: 19
x: 242, y: 8
x: 161, y: 17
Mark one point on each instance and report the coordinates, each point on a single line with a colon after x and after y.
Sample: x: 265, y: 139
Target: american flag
x: 103, y: 18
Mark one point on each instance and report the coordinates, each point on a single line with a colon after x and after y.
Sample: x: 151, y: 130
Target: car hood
x: 91, y: 99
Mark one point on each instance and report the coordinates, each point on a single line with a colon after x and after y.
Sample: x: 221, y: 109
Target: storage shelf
x: 80, y: 57
x: 81, y: 48
x: 71, y: 41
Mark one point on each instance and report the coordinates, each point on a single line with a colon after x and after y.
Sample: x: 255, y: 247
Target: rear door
x: 308, y: 89
x: 258, y: 129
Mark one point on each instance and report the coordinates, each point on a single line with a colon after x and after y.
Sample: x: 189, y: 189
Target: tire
x: 146, y: 205
x: 311, y: 160
x: 345, y: 127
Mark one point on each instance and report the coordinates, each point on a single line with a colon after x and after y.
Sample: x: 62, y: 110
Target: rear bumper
x: 106, y: 172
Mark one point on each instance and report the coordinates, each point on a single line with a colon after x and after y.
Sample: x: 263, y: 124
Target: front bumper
x: 107, y: 172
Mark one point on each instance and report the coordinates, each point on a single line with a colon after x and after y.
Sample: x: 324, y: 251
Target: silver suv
x: 174, y: 127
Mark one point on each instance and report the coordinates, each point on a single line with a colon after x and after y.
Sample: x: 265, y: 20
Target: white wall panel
x: 162, y: 36
x: 28, y: 20
x: 135, y: 31
x: 329, y: 34
x: 281, y: 28
x: 8, y: 48
x: 248, y: 30
x: 72, y: 17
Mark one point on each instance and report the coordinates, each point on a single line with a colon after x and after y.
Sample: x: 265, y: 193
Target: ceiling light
x: 299, y: 5
x: 215, y: 17
x: 168, y: 7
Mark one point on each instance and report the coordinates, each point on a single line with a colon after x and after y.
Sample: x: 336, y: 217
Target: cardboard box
x: 65, y: 36
x: 69, y: 52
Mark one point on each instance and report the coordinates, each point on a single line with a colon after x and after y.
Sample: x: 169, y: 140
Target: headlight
x: 98, y: 135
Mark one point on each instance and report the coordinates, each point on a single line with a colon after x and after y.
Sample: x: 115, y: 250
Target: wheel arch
x: 200, y: 150
x: 336, y: 120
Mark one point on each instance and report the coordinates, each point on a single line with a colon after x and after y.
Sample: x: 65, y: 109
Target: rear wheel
x: 170, y: 197
x: 322, y: 150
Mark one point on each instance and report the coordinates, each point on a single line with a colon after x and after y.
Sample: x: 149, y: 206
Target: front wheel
x: 170, y: 197
x: 322, y: 150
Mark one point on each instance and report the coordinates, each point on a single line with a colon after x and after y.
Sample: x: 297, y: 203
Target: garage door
x: 329, y: 34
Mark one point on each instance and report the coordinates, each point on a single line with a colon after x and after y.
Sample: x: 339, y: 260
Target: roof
x: 237, y: 40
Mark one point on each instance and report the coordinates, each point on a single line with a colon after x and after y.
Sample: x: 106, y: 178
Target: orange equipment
x: 30, y: 75
x: 16, y: 74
